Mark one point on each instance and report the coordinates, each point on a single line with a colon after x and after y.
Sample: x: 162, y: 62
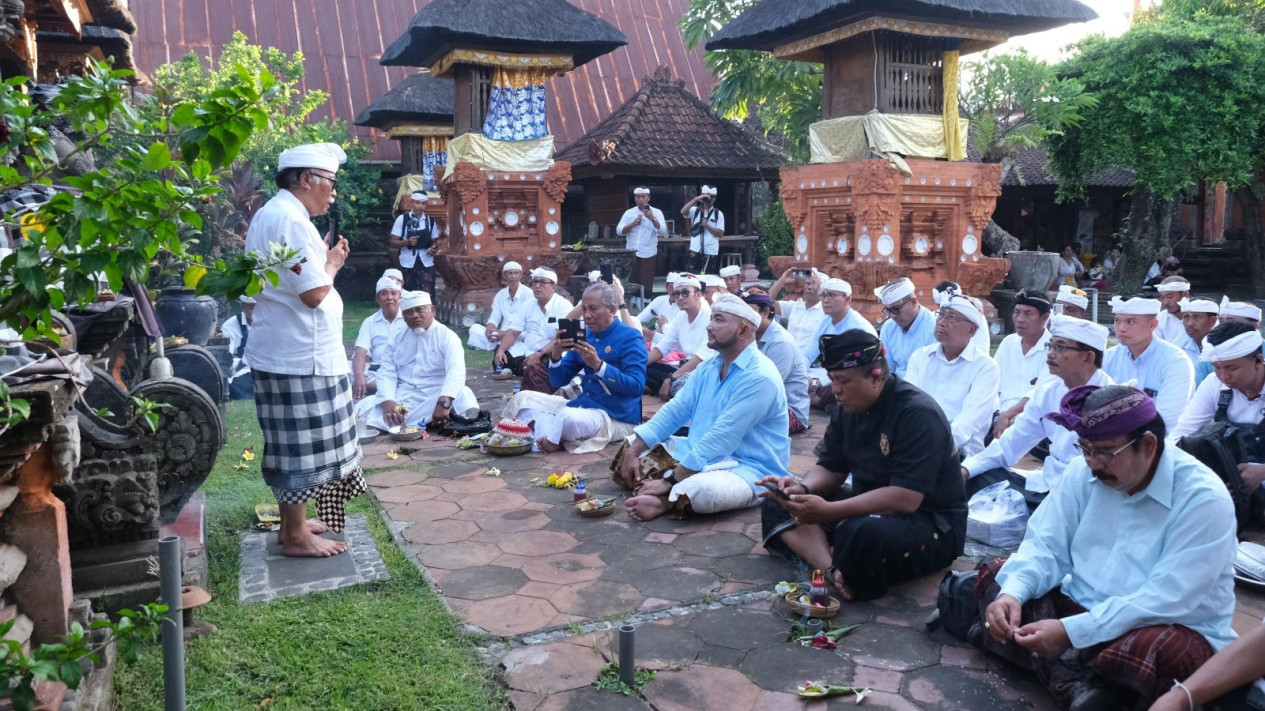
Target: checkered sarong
x: 310, y: 445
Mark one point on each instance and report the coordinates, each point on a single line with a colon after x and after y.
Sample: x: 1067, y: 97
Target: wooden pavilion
x: 48, y: 39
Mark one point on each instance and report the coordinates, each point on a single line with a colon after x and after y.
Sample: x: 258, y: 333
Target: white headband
x: 708, y: 190
x: 1198, y: 306
x: 837, y: 285
x: 1135, y: 307
x: 322, y: 156
x: 1244, y: 344
x: 730, y: 271
x: 1172, y: 286
x: 1078, y: 329
x: 689, y: 280
x: 419, y: 195
x: 544, y: 273
x: 730, y: 304
x: 246, y: 300
x: 1240, y: 308
x: 641, y: 191
x: 595, y: 275
x: 413, y: 299
x: 965, y: 305
x: 713, y: 280
x: 894, y: 291
x: 942, y: 295
x: 673, y: 277
x: 395, y: 274
x: 511, y: 267
x: 386, y: 283
x: 1071, y: 295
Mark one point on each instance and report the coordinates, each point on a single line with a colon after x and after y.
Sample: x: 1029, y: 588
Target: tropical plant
x: 777, y: 237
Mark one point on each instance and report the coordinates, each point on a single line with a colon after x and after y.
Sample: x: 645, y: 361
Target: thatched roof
x: 113, y: 43
x: 771, y: 23
x: 113, y: 14
x: 421, y: 98
x: 666, y: 131
x: 520, y: 26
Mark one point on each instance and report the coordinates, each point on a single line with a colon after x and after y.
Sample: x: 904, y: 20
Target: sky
x: 1113, y: 19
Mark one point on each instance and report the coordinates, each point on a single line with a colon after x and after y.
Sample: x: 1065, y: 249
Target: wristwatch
x: 670, y: 477
x: 445, y: 402
x: 623, y: 306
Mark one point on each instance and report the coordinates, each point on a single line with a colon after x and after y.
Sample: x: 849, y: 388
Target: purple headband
x: 1110, y: 420
x: 758, y: 300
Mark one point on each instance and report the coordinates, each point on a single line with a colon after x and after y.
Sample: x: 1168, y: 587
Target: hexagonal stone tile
x: 510, y: 615
x: 677, y: 584
x: 597, y: 533
x: 945, y: 687
x: 564, y: 568
x: 638, y: 556
x: 515, y: 521
x: 539, y: 543
x: 590, y: 698
x: 721, y: 656
x: 492, y: 501
x: 701, y: 688
x: 399, y: 477
x: 456, y: 470
x: 714, y: 544
x: 736, y: 628
x: 476, y: 484
x: 438, y: 532
x: 597, y: 599
x: 407, y: 494
x: 780, y: 667
x: 483, y: 582
x: 424, y: 511
x: 753, y: 568
x: 660, y: 645
x: 888, y: 647
x: 551, y: 668
x: 455, y: 556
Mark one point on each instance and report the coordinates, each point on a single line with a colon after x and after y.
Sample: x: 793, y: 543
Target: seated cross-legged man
x: 906, y: 515
x: 1124, y: 580
x: 512, y: 299
x: 376, y: 333
x: 423, y: 373
x: 530, y: 332
x: 1021, y: 357
x: 735, y: 406
x: 1073, y: 354
x: 611, y: 362
x: 685, y: 334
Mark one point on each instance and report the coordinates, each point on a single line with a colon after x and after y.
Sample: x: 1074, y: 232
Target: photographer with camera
x: 643, y: 226
x: 707, y: 226
x: 416, y: 235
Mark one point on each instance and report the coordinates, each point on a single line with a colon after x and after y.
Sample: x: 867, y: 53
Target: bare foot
x: 837, y: 582
x: 314, y: 527
x: 546, y: 446
x: 644, y: 508
x: 307, y: 545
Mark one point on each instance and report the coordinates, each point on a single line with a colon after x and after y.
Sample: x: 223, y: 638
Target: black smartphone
x: 570, y: 328
x: 777, y: 491
x: 608, y: 273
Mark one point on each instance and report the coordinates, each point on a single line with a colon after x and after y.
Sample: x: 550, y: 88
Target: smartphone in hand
x: 570, y: 329
x: 608, y: 273
x: 777, y: 491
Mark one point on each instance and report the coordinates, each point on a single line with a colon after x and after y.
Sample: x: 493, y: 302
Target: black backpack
x: 1221, y: 446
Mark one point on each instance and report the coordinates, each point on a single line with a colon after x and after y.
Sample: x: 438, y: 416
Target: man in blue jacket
x: 611, y: 362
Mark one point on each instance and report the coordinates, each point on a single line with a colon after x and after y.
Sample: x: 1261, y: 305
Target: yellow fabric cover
x: 406, y: 185
x: 516, y: 78
x: 849, y: 138
x: 953, y: 133
x: 532, y: 155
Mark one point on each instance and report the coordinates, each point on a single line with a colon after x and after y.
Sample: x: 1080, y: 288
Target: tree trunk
x: 1145, y: 238
x: 1254, y: 252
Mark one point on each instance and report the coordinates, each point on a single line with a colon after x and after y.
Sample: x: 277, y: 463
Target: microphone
x: 335, y: 215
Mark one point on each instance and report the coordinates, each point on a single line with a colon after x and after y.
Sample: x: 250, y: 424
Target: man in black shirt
x: 906, y: 513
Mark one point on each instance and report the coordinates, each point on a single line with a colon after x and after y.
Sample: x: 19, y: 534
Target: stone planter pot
x: 1033, y: 270
x: 621, y: 261
x: 183, y: 313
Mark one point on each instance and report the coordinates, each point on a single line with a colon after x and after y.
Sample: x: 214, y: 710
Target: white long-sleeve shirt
x: 537, y: 326
x: 965, y: 388
x: 644, y: 237
x: 1020, y: 372
x: 432, y: 364
x: 688, y: 337
x: 1203, y: 406
x: 505, y: 307
x: 1162, y: 369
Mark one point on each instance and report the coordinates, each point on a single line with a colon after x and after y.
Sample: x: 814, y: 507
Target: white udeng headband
x: 1244, y: 344
x: 730, y: 304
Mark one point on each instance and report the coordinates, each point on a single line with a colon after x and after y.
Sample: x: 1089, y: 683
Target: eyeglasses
x: 833, y: 294
x: 540, y: 282
x: 1103, y: 458
x: 1061, y: 348
x: 682, y: 293
x: 333, y: 182
x: 896, y: 307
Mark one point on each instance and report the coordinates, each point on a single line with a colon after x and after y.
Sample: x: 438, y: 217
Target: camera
x: 707, y: 200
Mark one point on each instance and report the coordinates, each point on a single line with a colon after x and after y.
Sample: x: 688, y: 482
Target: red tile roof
x: 664, y: 130
x: 342, y: 42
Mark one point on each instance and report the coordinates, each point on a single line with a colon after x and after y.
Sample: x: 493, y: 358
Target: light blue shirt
x: 742, y: 417
x: 778, y: 346
x: 1162, y: 368
x: 827, y: 326
x: 901, y: 344
x: 1162, y: 556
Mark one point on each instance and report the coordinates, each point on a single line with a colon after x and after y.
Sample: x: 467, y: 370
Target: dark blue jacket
x: 618, y: 391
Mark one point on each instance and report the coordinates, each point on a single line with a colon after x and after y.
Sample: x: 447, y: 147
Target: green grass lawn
x: 386, y: 645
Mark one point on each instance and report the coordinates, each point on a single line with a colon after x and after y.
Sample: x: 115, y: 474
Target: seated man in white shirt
x: 803, y: 315
x: 962, y: 379
x: 1158, y: 368
x: 423, y: 375
x: 376, y: 333
x: 1124, y: 580
x: 1073, y: 353
x: 1074, y: 301
x: 527, y: 338
x: 237, y: 329
x: 1199, y: 317
x: 505, y: 305
x: 1021, y: 357
x: 686, y: 334
x: 1172, y: 290
x: 661, y: 309
x: 712, y: 285
x: 837, y: 316
x: 732, y: 275
x: 941, y: 293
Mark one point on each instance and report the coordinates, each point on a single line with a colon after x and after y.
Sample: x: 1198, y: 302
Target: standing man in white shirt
x: 687, y: 334
x: 525, y: 346
x: 960, y: 377
x: 508, y: 302
x: 376, y: 333
x: 803, y: 315
x: 302, y: 389
x: 707, y: 226
x: 643, y: 225
x: 1158, y: 368
x: 416, y: 235
x: 1021, y: 357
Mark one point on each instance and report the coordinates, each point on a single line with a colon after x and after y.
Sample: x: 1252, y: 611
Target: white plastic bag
x: 998, y: 516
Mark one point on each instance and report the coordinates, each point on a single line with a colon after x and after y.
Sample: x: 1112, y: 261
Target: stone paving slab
x: 266, y: 574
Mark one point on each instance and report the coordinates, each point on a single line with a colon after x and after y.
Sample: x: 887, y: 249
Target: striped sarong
x: 310, y: 445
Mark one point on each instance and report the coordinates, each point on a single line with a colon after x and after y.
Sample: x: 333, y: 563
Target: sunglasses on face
x: 682, y: 293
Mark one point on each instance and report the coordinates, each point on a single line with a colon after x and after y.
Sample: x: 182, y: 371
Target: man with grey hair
x: 611, y: 362
x: 643, y: 225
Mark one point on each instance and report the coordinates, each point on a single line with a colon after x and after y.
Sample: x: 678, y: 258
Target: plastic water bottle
x: 817, y: 591
x: 580, y: 493
x: 497, y: 368
x: 517, y: 387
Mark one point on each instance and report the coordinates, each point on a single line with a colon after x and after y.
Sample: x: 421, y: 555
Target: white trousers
x: 420, y: 405
x: 479, y: 337
x: 569, y: 424
x: 715, y: 490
